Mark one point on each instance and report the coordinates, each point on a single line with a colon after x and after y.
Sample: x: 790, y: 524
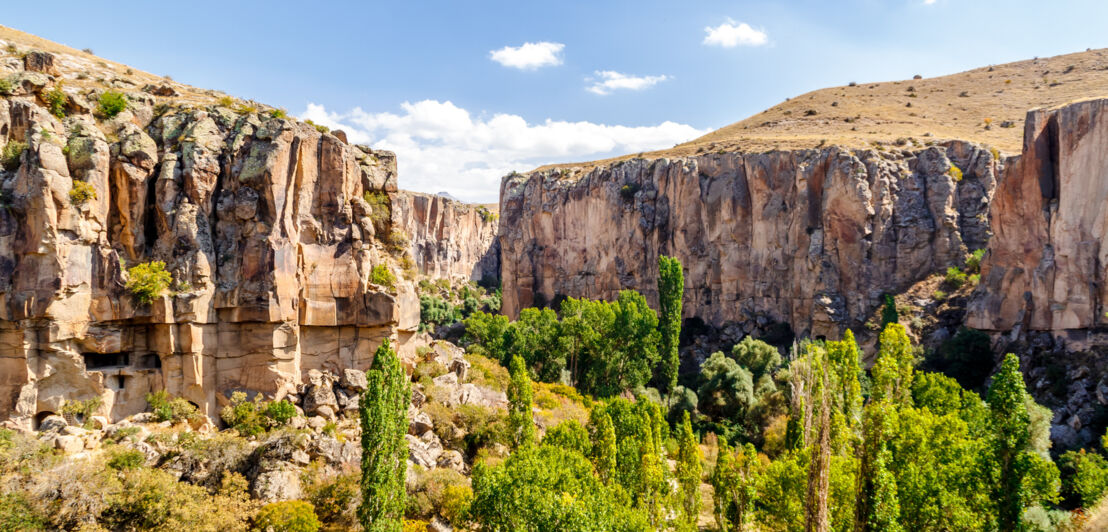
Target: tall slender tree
x: 1011, y: 438
x: 877, y: 507
x: 603, y: 436
x: 689, y: 469
x: 521, y: 421
x: 671, y: 289
x: 383, y: 409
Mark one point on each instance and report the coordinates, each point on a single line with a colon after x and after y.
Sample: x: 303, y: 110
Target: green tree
x: 671, y: 289
x: 603, y: 436
x: 537, y: 337
x: 569, y: 435
x: 1088, y: 477
x: 543, y: 488
x: 689, y: 469
x: 878, y: 508
x: 888, y: 312
x: 845, y: 359
x: 1022, y: 479
x: 383, y: 410
x: 734, y: 484
x: 521, y: 399
x: 892, y: 373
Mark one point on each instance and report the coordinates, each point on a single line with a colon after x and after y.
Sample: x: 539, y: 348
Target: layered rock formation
x: 1046, y: 267
x: 811, y: 238
x: 448, y: 238
x: 260, y: 220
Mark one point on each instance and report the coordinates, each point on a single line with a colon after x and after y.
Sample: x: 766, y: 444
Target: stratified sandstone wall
x: 260, y: 220
x: 1045, y: 268
x: 811, y: 238
x: 448, y: 238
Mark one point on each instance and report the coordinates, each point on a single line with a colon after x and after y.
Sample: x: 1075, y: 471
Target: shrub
x: 398, y: 241
x: 6, y: 86
x: 973, y: 261
x: 225, y: 101
x: 287, y: 516
x: 174, y: 410
x: 279, y: 412
x: 939, y: 295
x: 148, y: 281
x: 111, y: 103
x: 81, y: 192
x: 430, y: 490
x: 56, y: 100
x: 955, y: 277
x: 380, y: 210
x: 11, y: 154
x: 486, y: 372
x: 955, y: 173
x: 627, y: 192
x: 335, y: 499
x: 82, y: 410
x: 318, y: 127
x: 487, y: 215
x: 1087, y: 477
x: 278, y: 113
x: 17, y: 513
x: 382, y: 275
x: 126, y: 459
x: 246, y: 108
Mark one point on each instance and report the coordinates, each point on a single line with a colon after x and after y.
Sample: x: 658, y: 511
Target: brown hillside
x: 985, y: 105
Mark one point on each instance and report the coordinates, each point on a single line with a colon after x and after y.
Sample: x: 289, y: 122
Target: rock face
x: 261, y: 222
x: 1045, y: 268
x: 810, y: 238
x: 448, y: 238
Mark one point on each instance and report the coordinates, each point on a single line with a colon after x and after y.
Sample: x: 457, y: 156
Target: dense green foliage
x: 56, y: 100
x: 111, y: 103
x: 671, y: 289
x: 889, y: 313
x: 442, y: 303
x: 173, y: 410
x: 11, y: 154
x: 382, y: 275
x: 81, y: 192
x: 148, y: 281
x: 521, y: 422
x: 287, y: 516
x: 383, y: 410
x: 249, y: 418
x: 604, y: 347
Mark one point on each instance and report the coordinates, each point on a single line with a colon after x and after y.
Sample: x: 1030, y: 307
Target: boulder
x: 40, y: 62
x: 52, y: 423
x: 353, y: 379
x: 69, y: 444
x: 452, y: 459
x: 420, y: 423
x: 277, y: 485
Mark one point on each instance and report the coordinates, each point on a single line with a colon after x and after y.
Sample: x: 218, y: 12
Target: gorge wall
x: 1046, y: 265
x: 260, y: 220
x: 448, y: 238
x: 811, y: 238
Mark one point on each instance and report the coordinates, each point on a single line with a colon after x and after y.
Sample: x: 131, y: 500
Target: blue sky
x: 421, y: 77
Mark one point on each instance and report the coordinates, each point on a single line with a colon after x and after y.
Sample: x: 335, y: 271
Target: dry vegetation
x: 986, y: 105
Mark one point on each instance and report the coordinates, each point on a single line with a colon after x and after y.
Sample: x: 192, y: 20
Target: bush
x: 429, y: 495
x: 335, y: 500
x: 251, y: 418
x: 127, y: 459
x: 11, y: 154
x: 287, y: 516
x: 225, y: 101
x: 939, y: 295
x: 174, y: 410
x: 6, y: 86
x: 380, y: 212
x: 148, y: 281
x: 111, y: 103
x: 382, y: 275
x: 16, y: 513
x: 319, y: 128
x: 81, y: 192
x: 955, y: 277
x: 486, y: 215
x: 955, y: 173
x: 1086, y: 475
x: 627, y: 192
x: 278, y: 113
x: 56, y: 100
x: 973, y: 261
x: 398, y: 241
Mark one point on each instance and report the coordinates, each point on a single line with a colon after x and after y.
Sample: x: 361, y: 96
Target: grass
x: 878, y: 111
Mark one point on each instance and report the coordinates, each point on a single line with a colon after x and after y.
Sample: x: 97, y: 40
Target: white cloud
x: 729, y: 35
x: 442, y: 147
x: 928, y: 2
x: 609, y: 81
x: 529, y: 56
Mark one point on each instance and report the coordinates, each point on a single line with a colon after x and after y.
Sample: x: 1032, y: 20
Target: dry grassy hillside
x: 984, y: 105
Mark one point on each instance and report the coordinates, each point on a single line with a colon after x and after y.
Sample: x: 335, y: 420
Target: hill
x: 985, y: 105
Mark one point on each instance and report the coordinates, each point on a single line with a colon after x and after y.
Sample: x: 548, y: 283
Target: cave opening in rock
x: 117, y: 382
x: 41, y: 416
x: 150, y: 361
x: 105, y: 360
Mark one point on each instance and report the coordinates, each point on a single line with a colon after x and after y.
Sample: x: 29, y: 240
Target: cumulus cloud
x: 443, y: 147
x: 529, y: 56
x: 731, y: 34
x: 607, y: 81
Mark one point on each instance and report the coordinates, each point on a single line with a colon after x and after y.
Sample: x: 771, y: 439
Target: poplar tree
x: 521, y: 420
x: 877, y: 508
x: 689, y: 469
x: 383, y: 409
x: 671, y: 289
x: 603, y: 436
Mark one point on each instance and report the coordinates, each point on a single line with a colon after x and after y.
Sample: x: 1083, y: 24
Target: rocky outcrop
x: 1046, y: 266
x: 448, y: 238
x: 810, y: 238
x: 260, y: 220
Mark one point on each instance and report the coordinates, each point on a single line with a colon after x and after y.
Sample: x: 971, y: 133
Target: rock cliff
x: 448, y: 238
x: 810, y: 238
x: 1045, y: 267
x: 260, y: 220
